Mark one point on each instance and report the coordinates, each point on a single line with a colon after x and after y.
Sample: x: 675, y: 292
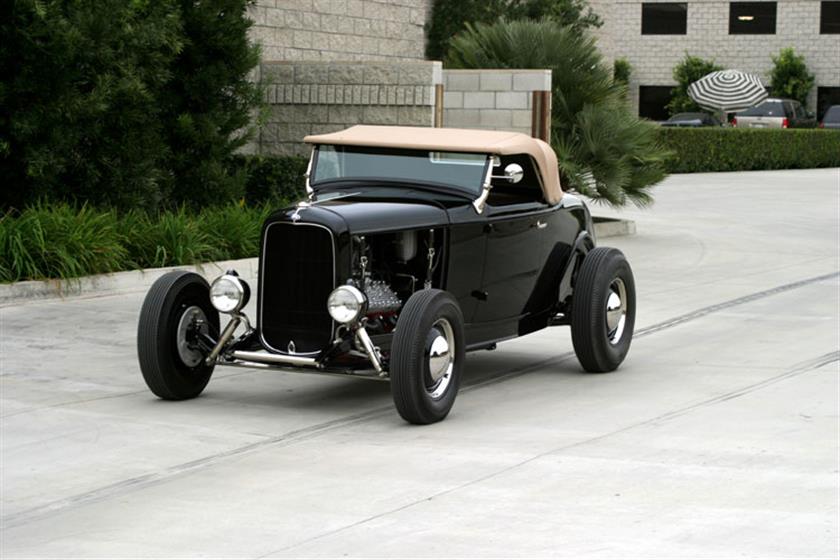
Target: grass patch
x: 46, y: 241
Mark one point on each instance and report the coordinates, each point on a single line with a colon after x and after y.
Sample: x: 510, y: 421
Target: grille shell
x: 297, y: 274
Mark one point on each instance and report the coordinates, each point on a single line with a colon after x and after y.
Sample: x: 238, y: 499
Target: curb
x: 613, y: 227
x: 112, y: 284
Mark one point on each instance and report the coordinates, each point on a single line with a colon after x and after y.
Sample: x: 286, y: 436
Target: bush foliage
x: 604, y: 151
x: 732, y: 149
x: 133, y: 104
x: 59, y: 240
x: 688, y: 70
x: 790, y: 77
x: 450, y: 17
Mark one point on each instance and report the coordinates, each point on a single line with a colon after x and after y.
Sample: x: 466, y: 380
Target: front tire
x: 603, y: 310
x: 177, y: 304
x: 427, y: 357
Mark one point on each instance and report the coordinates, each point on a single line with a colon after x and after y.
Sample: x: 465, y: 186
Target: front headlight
x: 346, y: 304
x: 228, y: 293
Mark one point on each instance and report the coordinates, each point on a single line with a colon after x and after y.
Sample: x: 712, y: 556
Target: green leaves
x: 604, y: 151
x: 790, y: 77
x: 451, y: 17
x: 132, y: 104
x: 62, y: 241
x: 689, y: 70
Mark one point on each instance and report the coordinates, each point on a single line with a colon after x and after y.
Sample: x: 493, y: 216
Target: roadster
x: 412, y: 247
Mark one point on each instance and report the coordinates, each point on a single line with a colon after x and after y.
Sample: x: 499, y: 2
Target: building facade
x: 331, y: 63
x: 655, y: 35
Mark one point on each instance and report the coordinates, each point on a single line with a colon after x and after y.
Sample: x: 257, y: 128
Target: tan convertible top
x: 453, y: 140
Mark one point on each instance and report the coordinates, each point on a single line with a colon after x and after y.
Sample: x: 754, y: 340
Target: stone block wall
x: 329, y: 30
x: 491, y: 99
x: 320, y: 97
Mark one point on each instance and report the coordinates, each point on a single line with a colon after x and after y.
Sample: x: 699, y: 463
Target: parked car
x: 775, y: 113
x: 414, y: 246
x: 692, y: 120
x: 831, y: 118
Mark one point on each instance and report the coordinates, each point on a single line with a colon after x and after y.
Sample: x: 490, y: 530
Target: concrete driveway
x: 718, y: 437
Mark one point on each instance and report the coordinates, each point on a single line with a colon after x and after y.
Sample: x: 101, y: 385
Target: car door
x: 514, y: 256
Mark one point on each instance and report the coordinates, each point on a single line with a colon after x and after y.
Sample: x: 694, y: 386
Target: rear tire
x: 427, y: 356
x: 603, y: 310
x: 173, y: 369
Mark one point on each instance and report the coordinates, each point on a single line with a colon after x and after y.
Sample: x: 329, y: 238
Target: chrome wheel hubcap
x: 616, y: 310
x: 440, y: 358
x: 190, y: 355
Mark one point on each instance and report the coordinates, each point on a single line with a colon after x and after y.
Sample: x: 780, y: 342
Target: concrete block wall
x: 330, y: 30
x: 653, y: 57
x: 491, y: 99
x: 320, y: 97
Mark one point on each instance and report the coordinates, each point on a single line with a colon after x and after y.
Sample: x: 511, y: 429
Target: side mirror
x: 513, y: 173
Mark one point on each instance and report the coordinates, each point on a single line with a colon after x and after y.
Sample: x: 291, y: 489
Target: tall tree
x: 207, y: 109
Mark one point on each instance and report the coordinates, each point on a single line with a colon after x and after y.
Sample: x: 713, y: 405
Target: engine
x: 390, y: 267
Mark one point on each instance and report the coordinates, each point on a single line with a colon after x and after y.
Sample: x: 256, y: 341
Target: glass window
x: 826, y: 97
x: 752, y: 18
x: 443, y: 169
x: 766, y: 109
x: 829, y: 17
x: 652, y: 102
x: 664, y: 18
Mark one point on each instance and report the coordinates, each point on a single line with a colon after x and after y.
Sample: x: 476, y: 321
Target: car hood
x: 369, y: 216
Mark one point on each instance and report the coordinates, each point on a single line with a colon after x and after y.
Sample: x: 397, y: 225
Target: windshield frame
x: 433, y: 186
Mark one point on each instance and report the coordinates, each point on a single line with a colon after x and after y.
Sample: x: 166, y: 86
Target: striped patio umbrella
x: 727, y: 91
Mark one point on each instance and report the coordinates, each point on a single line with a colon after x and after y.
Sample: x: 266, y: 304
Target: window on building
x: 752, y: 18
x: 826, y: 97
x: 829, y: 17
x: 652, y: 102
x: 664, y: 18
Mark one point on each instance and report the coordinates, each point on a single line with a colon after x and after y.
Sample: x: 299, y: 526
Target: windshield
x: 833, y: 114
x: 766, y: 109
x: 461, y: 171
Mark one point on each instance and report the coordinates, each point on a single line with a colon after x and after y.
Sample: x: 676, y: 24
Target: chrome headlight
x: 346, y: 304
x: 228, y: 293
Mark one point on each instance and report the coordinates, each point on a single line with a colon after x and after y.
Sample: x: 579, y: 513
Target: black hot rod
x: 413, y: 247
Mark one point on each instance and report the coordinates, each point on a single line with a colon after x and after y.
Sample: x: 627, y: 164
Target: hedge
x: 697, y: 150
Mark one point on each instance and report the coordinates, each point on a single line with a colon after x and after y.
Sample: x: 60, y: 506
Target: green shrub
x: 272, y: 178
x: 688, y: 70
x: 132, y: 104
x: 59, y: 241
x: 790, y: 77
x: 62, y: 241
x: 80, y: 94
x: 604, y: 151
x: 733, y: 149
x: 450, y: 17
x: 166, y: 239
x: 234, y: 230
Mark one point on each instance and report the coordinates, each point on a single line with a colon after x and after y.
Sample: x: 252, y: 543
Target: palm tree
x: 604, y: 151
